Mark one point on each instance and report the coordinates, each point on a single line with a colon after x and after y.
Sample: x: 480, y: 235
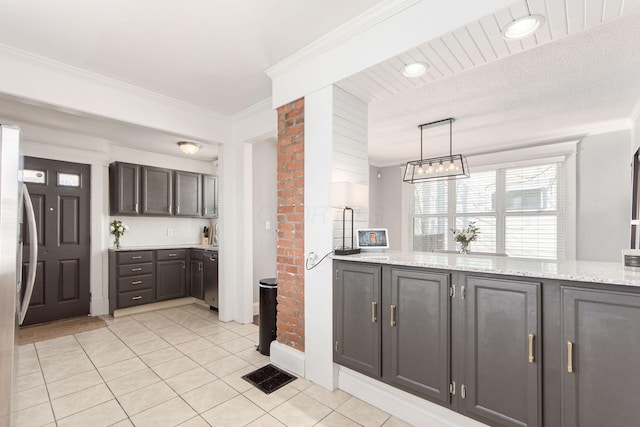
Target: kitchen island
x: 508, y: 342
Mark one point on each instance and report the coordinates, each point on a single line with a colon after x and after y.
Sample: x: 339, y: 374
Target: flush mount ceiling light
x: 415, y: 69
x: 523, y: 26
x: 436, y: 168
x: 189, y: 147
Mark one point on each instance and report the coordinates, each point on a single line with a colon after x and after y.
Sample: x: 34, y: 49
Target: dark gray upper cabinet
x: 600, y: 358
x: 124, y: 180
x: 210, y: 196
x: 188, y: 193
x: 157, y: 191
x: 170, y: 279
x: 502, y: 380
x: 416, y: 335
x: 357, y: 306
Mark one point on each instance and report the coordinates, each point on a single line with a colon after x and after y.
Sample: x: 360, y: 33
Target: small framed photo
x: 373, y: 239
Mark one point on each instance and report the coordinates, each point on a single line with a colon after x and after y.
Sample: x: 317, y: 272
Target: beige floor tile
x: 75, y: 383
x: 174, y: 367
x: 105, y: 414
x: 332, y: 399
x: 395, y: 422
x: 270, y: 401
x: 177, y: 335
x: 301, y: 410
x: 171, y: 413
x: 66, y: 368
x: 209, y: 355
x: 209, y: 395
x: 195, y: 422
x: 190, y: 379
x: 111, y: 356
x: 31, y: 397
x: 161, y: 356
x: 149, y: 317
x: 238, y: 411
x: 301, y: 383
x: 26, y: 348
x: 161, y: 324
x: 28, y: 363
x: 226, y: 365
x: 194, y: 346
x: 266, y: 421
x: 208, y: 329
x: 149, y: 346
x: 57, y: 350
x: 222, y: 337
x: 335, y: 419
x: 30, y: 380
x: 145, y: 336
x: 236, y: 381
x: 96, y: 336
x: 54, y: 358
x: 363, y: 413
x: 131, y: 382
x: 56, y: 342
x: 35, y: 416
x: 80, y: 400
x: 253, y: 356
x: 120, y: 369
x: 145, y: 398
x: 255, y: 337
x: 247, y: 329
x: 238, y: 344
x: 123, y: 423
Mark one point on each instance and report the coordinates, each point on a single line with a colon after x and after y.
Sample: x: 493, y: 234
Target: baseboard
x: 256, y: 308
x: 155, y: 306
x: 287, y: 358
x: 99, y: 306
x: 400, y: 404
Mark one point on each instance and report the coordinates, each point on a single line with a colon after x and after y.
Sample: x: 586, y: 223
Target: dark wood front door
x: 60, y: 193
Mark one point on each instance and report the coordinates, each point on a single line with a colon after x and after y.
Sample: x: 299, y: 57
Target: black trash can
x: 268, y: 311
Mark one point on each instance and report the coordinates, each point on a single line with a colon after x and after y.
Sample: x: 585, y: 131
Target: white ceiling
x: 210, y: 53
x: 578, y: 74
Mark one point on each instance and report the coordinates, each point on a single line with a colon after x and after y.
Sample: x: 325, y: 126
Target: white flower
x: 126, y: 227
x: 112, y: 228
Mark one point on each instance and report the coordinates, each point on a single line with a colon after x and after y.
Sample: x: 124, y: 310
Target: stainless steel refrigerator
x: 14, y: 292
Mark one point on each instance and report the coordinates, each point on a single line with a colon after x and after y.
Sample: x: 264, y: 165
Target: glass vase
x: 116, y: 242
x: 464, y: 249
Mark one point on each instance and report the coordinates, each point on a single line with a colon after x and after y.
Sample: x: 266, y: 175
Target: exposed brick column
x: 290, y: 321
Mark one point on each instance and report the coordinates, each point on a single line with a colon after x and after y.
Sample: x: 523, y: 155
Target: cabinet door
x: 125, y: 188
x: 170, y: 279
x: 417, y: 333
x: 188, y: 193
x: 502, y: 382
x: 604, y: 331
x: 157, y: 191
x: 196, y: 277
x: 356, y: 323
x: 210, y: 196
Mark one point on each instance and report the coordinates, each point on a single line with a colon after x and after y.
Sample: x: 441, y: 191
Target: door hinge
x: 452, y: 291
x: 463, y: 391
x: 452, y: 388
x: 462, y: 290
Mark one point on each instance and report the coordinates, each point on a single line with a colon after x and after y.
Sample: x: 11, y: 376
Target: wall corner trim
x: 287, y: 358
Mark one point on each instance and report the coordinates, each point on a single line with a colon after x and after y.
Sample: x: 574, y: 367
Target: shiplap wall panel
x: 350, y: 156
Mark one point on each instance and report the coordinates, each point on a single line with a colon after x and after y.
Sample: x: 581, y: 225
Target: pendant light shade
x: 452, y: 166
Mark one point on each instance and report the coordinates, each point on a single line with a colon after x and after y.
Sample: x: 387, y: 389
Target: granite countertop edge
x: 611, y: 273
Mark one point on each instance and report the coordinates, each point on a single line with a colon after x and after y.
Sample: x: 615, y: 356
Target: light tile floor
x: 179, y: 366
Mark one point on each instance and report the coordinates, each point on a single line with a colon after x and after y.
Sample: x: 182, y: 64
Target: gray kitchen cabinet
x: 210, y: 196
x: 188, y: 193
x: 600, y: 358
x: 501, y: 385
x: 124, y: 180
x: 157, y: 191
x: 171, y: 274
x: 357, y: 305
x: 131, y: 278
x: 416, y: 338
x: 196, y: 274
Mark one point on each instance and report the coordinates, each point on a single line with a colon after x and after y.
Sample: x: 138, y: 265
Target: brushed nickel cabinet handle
x: 136, y: 298
x: 177, y: 209
x: 136, y: 282
x: 184, y: 265
x: 393, y: 315
x: 172, y: 255
x: 531, y: 338
x: 374, y: 312
x: 137, y: 257
x: 136, y: 208
x: 569, y: 356
x: 463, y: 391
x: 136, y: 269
x: 199, y: 266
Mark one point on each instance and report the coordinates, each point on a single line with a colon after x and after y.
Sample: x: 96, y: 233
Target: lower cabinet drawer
x: 129, y: 299
x: 135, y: 269
x: 170, y: 254
x: 134, y: 283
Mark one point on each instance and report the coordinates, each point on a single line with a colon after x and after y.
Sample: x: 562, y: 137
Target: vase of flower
x: 465, y: 236
x: 117, y: 228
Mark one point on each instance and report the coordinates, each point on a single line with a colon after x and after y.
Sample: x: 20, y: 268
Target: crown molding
x: 258, y: 107
x: 343, y: 33
x: 57, y: 66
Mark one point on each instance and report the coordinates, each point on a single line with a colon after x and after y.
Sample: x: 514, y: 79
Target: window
x: 518, y: 211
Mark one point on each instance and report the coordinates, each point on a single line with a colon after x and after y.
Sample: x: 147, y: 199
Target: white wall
x: 388, y: 209
x: 265, y: 208
x: 603, y: 196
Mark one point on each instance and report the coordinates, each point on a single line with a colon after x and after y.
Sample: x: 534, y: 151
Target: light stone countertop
x: 611, y: 273
x: 160, y: 247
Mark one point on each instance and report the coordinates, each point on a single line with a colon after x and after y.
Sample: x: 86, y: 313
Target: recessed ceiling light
x: 415, y: 69
x: 522, y: 27
x: 189, y: 147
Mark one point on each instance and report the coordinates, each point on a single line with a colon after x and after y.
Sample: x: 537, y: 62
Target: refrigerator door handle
x: 33, y: 253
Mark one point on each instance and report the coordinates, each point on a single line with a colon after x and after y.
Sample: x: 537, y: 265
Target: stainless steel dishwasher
x: 210, y: 261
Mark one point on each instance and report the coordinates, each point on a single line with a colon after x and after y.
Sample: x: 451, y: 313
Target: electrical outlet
x: 169, y: 232
x: 267, y: 225
x: 312, y: 258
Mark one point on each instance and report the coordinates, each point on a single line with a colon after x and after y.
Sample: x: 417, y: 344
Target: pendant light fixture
x: 452, y: 166
x: 522, y: 27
